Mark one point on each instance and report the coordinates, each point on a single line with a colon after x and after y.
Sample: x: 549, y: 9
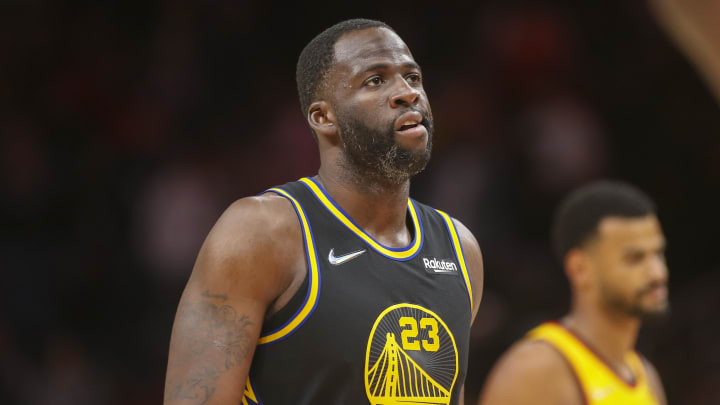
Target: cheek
x: 370, y: 114
x: 619, y: 279
x: 375, y: 106
x: 629, y: 282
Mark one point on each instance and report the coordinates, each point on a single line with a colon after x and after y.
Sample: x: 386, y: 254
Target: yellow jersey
x: 599, y: 382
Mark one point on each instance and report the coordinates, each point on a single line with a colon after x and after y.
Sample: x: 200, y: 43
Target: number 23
x: 409, y: 341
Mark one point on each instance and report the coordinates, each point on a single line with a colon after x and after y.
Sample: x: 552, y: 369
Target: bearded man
x: 612, y: 248
x: 337, y: 288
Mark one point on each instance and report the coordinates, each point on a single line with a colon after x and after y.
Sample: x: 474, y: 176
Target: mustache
x: 427, y: 120
x: 651, y: 287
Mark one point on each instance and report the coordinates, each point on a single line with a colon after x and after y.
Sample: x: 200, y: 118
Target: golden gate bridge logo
x: 411, y: 358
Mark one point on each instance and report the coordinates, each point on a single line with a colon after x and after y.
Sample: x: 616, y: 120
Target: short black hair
x: 578, y: 216
x: 317, y: 57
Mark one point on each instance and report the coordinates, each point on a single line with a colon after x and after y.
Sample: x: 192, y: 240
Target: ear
x: 578, y: 268
x: 322, y: 119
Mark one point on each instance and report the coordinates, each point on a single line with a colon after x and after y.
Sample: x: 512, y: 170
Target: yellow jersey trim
x: 249, y: 396
x: 457, y: 246
x: 598, y: 380
x: 406, y: 253
x: 311, y: 299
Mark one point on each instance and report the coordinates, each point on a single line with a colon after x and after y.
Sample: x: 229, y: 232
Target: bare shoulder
x: 474, y: 261
x: 253, y: 234
x: 531, y: 372
x: 533, y: 360
x: 260, y: 219
x: 655, y: 382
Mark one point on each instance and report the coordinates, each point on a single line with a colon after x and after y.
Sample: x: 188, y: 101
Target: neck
x: 379, y: 209
x: 613, y: 336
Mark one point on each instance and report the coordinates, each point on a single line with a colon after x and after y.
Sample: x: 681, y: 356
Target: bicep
x: 220, y: 315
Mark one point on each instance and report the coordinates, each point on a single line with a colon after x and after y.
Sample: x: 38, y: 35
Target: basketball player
x: 612, y: 248
x: 338, y: 288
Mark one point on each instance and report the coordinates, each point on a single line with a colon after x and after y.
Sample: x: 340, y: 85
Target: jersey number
x: 409, y: 335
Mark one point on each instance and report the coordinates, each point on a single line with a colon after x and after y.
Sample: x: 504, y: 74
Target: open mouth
x: 407, y: 126
x: 408, y: 121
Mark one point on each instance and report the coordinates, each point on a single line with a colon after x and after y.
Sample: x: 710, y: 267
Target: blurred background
x: 126, y: 127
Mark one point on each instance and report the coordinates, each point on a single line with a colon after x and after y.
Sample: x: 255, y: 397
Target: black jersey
x: 371, y: 324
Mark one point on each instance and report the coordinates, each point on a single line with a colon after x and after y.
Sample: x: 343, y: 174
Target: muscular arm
x: 239, y: 274
x: 474, y: 263
x: 531, y: 372
x: 692, y: 24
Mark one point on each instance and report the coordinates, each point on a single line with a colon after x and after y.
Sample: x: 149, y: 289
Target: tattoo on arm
x: 210, y: 340
x: 221, y: 297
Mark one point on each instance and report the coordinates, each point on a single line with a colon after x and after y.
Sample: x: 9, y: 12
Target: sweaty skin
x: 226, y: 299
x: 616, y: 279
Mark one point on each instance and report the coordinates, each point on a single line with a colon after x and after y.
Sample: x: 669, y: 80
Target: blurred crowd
x: 127, y: 127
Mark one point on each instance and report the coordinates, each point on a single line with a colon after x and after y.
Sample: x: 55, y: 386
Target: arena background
x: 126, y: 127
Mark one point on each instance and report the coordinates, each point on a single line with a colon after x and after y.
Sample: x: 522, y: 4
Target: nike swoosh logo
x: 344, y: 258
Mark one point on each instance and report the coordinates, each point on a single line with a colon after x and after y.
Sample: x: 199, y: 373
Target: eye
x: 634, y: 257
x: 413, y: 78
x: 374, y: 81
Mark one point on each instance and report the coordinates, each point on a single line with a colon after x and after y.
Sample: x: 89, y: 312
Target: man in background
x: 610, y: 242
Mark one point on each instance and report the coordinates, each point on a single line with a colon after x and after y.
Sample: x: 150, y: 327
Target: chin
x: 416, y: 145
x: 654, y: 313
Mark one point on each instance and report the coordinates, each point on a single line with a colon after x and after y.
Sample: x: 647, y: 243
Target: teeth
x: 409, y: 123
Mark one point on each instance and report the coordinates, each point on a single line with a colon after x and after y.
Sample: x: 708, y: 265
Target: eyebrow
x: 636, y: 249
x: 380, y: 66
x: 631, y: 250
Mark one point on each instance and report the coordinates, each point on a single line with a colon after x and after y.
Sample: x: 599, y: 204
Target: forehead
x: 357, y: 49
x: 642, y: 232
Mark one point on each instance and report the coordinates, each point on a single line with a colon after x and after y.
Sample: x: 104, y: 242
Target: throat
x: 374, y: 185
x: 392, y: 233
x: 382, y: 213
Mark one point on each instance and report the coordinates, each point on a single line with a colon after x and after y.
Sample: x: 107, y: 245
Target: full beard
x: 373, y: 158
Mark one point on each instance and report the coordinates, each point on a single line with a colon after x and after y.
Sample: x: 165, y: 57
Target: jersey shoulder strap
x: 598, y: 380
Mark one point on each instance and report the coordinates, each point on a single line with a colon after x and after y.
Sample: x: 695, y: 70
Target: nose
x: 659, y: 270
x: 404, y: 95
